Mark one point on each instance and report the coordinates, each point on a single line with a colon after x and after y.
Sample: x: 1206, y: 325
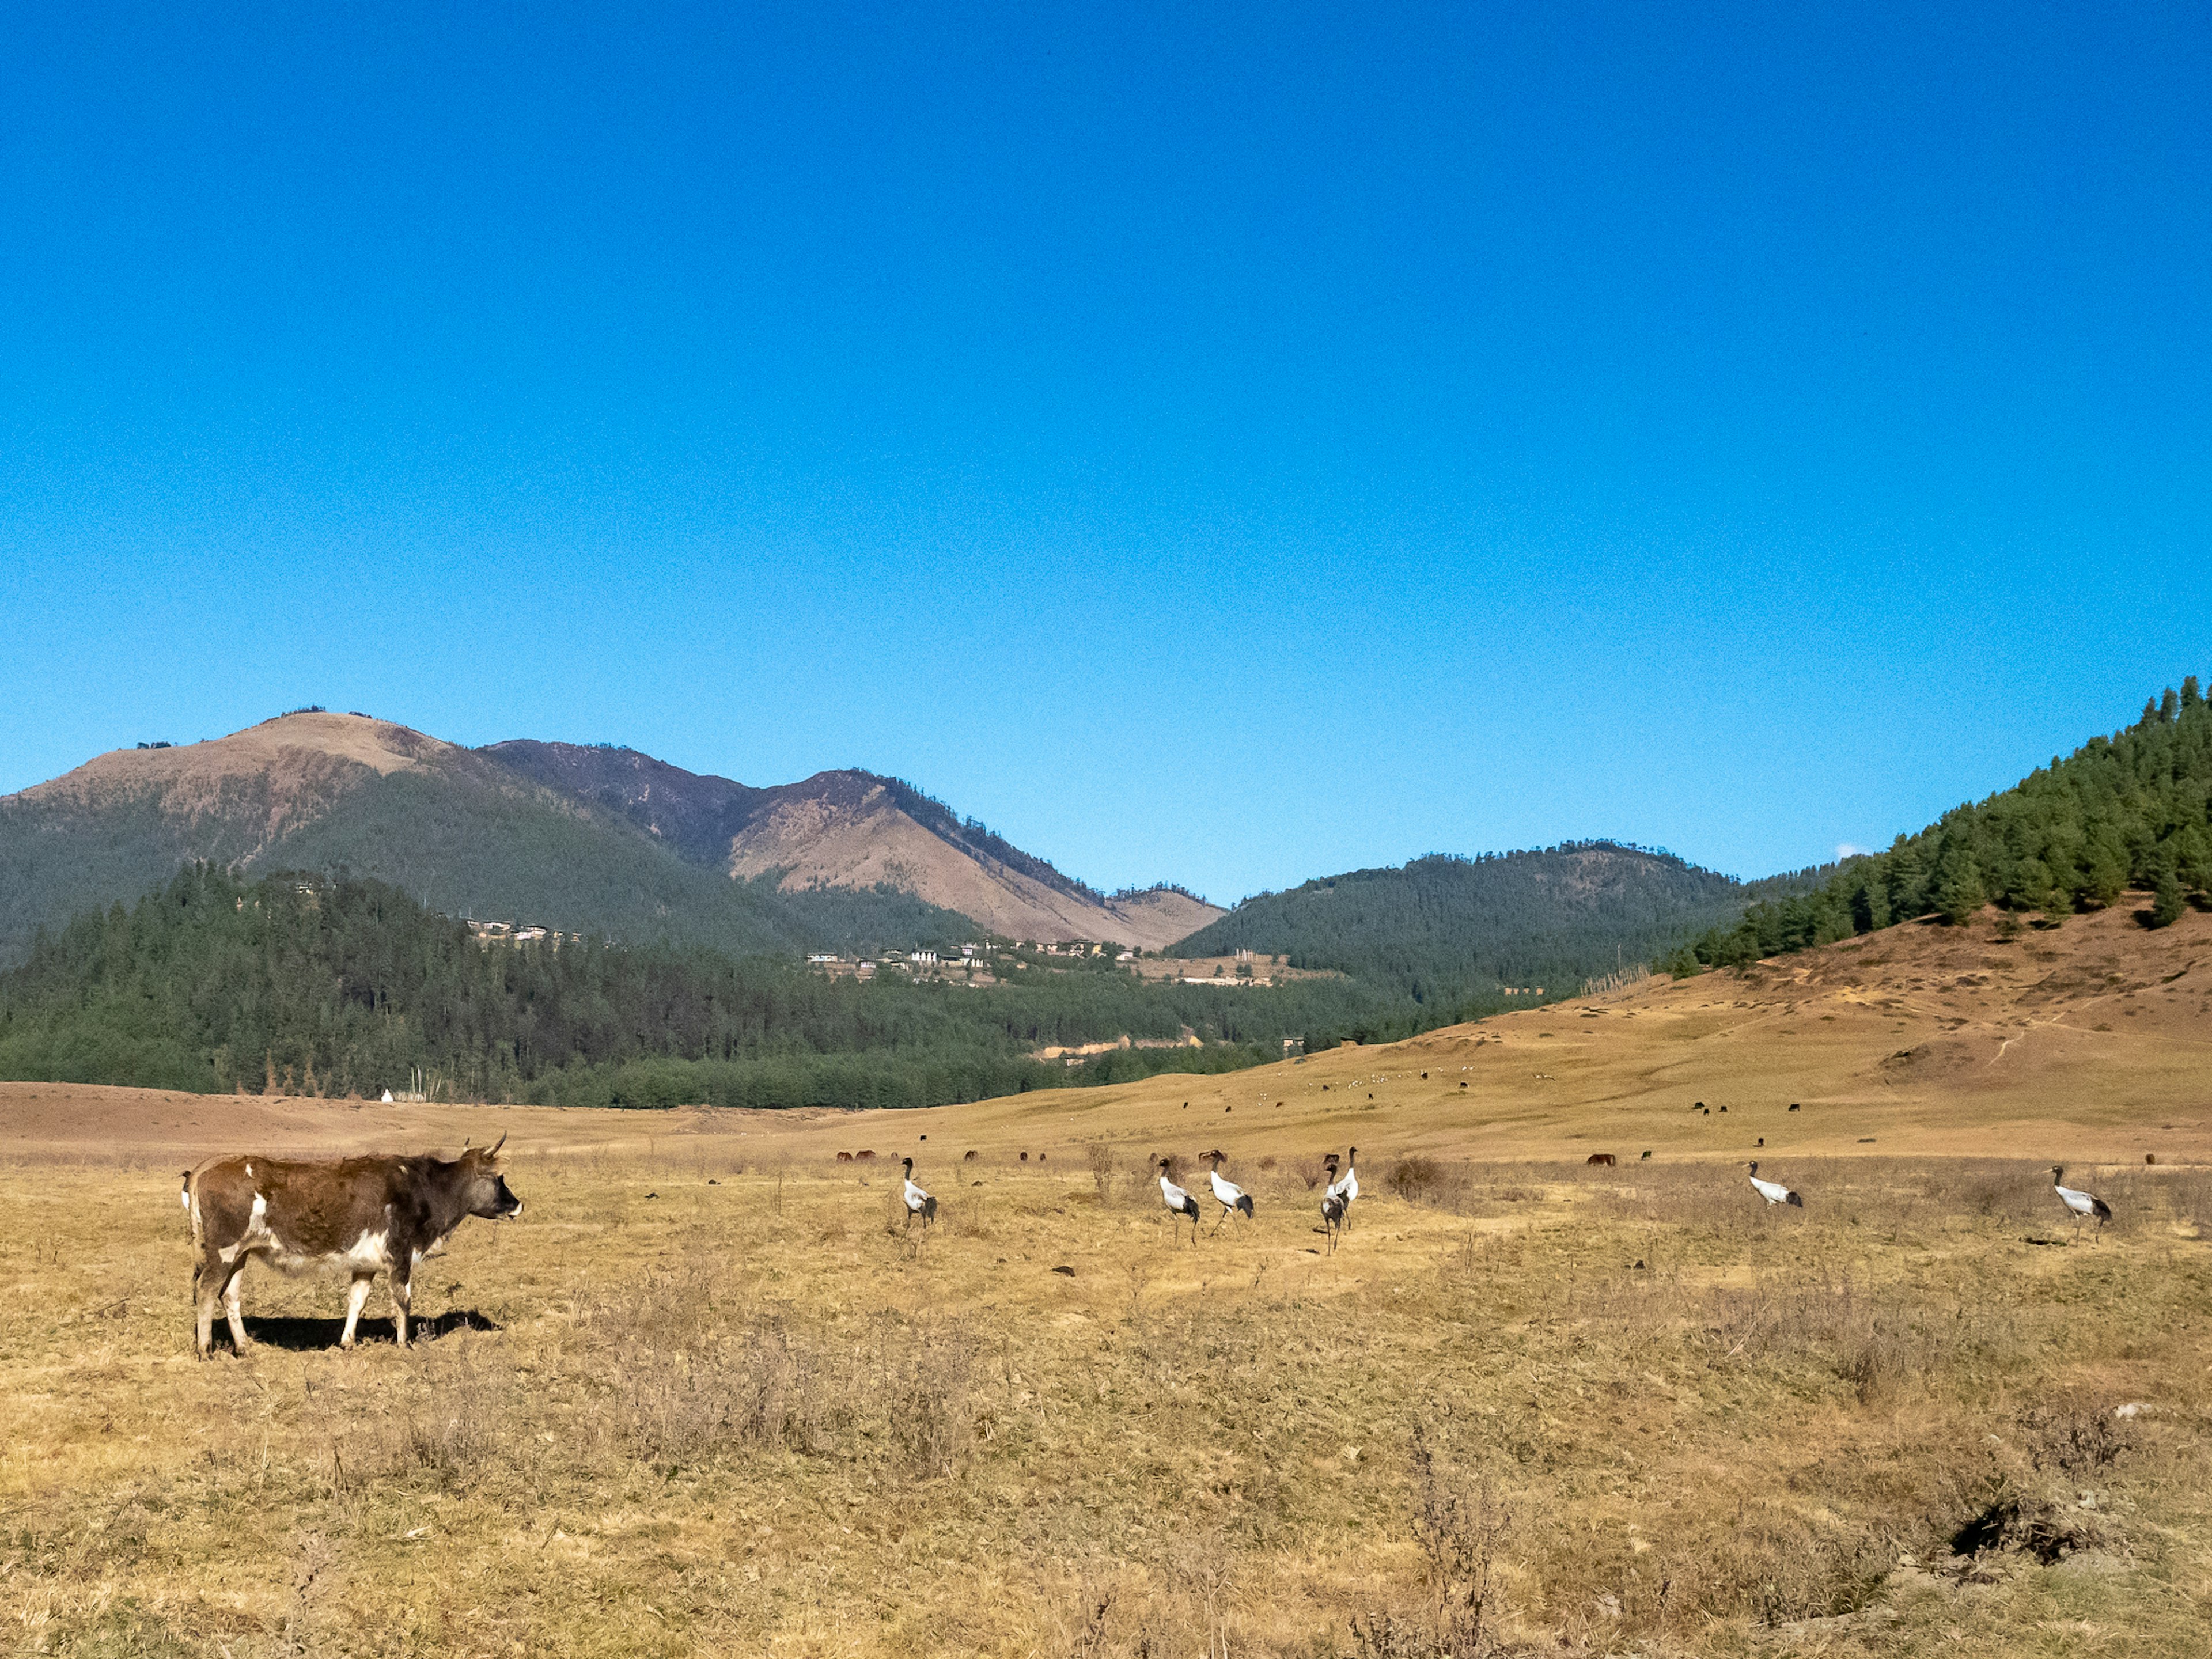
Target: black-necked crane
x: 918, y: 1202
x: 1347, y: 1187
x: 2082, y: 1204
x: 1179, y: 1202
x: 1773, y: 1191
x: 1227, y: 1193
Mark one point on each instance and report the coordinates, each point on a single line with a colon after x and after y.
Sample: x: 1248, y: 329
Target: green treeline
x: 1441, y: 932
x: 2127, y: 811
x: 342, y: 986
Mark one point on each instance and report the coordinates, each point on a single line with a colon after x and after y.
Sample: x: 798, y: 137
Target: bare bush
x: 931, y: 1417
x: 1458, y: 1523
x: 1100, y: 1158
x: 2074, y: 1436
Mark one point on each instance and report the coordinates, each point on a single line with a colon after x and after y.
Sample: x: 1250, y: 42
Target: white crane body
x: 1773, y: 1191
x: 918, y: 1202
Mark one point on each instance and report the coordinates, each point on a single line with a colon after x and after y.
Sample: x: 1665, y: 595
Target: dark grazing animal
x: 364, y: 1215
x: 844, y: 1157
x: 970, y: 1159
x: 1605, y: 1159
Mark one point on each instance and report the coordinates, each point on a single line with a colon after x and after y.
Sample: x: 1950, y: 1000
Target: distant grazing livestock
x: 1040, y: 1157
x: 1025, y: 1157
x: 864, y: 1158
x: 844, y: 1157
x: 1605, y: 1158
x: 2150, y: 1158
x: 1462, y: 1085
x: 1793, y: 1105
x: 1646, y: 1158
x: 970, y: 1159
x: 367, y: 1215
x: 1762, y: 1140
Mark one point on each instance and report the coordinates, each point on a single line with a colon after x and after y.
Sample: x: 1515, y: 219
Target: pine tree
x: 2168, y: 706
x: 2190, y: 695
x: 2165, y: 904
x: 1958, y: 889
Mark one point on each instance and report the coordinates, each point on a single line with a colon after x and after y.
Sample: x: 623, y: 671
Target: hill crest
x: 851, y: 829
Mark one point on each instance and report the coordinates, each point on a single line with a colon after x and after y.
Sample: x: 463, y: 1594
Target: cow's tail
x: 189, y: 1198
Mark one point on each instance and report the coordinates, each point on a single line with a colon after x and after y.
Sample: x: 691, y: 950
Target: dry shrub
x: 2028, y: 1522
x: 1865, y: 1341
x: 1776, y: 1566
x: 930, y: 1415
x: 1422, y: 1180
x: 1099, y: 1157
x: 1458, y: 1523
x: 757, y: 1387
x: 2073, y: 1436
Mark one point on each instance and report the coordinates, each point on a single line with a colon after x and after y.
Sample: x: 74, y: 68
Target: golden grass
x: 706, y: 1397
x: 667, y: 1417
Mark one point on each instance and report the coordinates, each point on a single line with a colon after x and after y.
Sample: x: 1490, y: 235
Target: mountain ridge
x: 849, y: 829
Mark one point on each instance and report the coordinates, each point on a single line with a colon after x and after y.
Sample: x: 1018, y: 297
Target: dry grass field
x: 705, y: 1396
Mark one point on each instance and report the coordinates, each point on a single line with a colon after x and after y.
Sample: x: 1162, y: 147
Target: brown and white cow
x: 363, y: 1215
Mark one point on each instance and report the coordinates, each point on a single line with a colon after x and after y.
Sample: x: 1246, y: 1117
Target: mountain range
x: 575, y: 838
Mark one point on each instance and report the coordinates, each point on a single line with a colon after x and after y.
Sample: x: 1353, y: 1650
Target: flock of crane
x: 1341, y: 1190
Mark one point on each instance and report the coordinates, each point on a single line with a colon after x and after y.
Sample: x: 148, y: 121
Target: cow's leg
x: 357, y: 1294
x: 402, y: 1294
x: 231, y: 1310
x: 206, y: 1292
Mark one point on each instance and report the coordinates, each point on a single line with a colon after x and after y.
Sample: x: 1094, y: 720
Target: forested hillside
x: 306, y: 984
x: 2126, y: 810
x: 1442, y: 931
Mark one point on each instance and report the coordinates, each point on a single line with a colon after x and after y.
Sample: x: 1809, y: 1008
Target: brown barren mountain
x: 852, y: 829
x: 589, y: 838
x: 295, y: 765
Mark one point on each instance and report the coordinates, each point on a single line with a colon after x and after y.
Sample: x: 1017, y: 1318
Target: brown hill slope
x: 855, y: 830
x: 295, y: 766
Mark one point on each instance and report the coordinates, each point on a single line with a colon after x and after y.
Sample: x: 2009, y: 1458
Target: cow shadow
x: 304, y: 1333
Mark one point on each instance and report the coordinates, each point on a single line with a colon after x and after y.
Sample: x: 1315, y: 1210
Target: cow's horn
x: 502, y: 1141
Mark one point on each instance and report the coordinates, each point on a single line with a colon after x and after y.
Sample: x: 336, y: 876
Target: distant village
x: 509, y: 933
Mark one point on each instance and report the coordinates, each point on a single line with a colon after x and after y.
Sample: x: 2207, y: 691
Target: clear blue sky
x: 1211, y: 446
